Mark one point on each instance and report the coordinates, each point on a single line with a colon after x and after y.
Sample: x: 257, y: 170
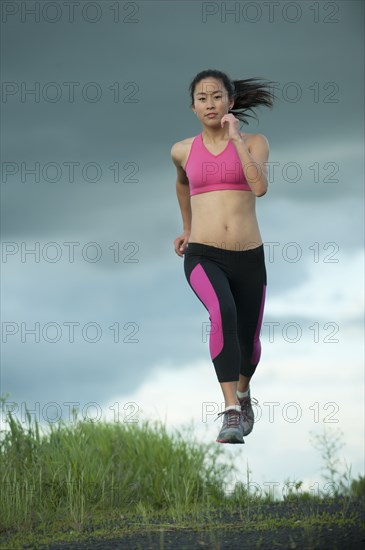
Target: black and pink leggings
x: 231, y: 284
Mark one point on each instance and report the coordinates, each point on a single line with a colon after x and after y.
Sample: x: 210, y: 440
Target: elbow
x: 261, y: 189
x: 261, y: 192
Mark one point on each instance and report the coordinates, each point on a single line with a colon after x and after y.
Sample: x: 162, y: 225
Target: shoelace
x: 233, y: 417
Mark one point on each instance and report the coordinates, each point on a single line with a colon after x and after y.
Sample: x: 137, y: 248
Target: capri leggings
x: 231, y: 284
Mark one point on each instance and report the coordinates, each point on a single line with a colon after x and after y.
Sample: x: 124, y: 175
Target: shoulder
x: 254, y: 138
x: 256, y: 141
x: 178, y: 150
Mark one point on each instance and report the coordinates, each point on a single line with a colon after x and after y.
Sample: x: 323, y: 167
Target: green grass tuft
x: 67, y: 481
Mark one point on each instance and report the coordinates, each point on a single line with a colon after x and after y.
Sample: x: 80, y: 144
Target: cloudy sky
x: 96, y: 310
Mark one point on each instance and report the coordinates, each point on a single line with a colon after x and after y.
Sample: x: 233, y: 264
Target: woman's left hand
x: 233, y: 130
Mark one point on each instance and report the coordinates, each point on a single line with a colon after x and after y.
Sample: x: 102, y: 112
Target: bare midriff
x: 225, y: 219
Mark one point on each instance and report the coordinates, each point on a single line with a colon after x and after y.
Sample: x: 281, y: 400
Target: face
x: 210, y: 96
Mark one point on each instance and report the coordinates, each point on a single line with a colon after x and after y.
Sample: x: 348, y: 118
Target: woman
x: 220, y: 172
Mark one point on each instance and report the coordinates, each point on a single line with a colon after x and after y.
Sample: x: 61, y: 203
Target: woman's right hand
x: 180, y: 243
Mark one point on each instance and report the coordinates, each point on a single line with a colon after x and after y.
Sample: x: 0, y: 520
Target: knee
x: 248, y: 370
x: 228, y: 311
x: 256, y: 352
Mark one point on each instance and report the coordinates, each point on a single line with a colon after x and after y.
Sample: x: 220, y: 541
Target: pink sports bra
x: 208, y: 172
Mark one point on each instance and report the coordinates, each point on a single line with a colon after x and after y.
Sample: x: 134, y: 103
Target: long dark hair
x: 247, y: 93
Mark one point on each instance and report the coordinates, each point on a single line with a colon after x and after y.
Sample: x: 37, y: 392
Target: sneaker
x: 232, y: 429
x: 247, y: 412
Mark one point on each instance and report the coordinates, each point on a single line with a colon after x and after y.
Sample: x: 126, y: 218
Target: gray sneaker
x: 232, y: 429
x: 247, y: 412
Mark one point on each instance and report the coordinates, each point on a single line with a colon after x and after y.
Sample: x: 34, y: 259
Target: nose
x: 210, y: 101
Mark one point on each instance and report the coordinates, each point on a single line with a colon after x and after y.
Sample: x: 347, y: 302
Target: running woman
x: 220, y: 172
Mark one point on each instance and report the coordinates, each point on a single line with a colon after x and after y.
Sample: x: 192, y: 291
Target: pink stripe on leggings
x: 204, y: 289
x: 256, y: 354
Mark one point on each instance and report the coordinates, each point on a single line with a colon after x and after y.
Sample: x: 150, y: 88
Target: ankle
x: 244, y: 393
x: 232, y: 401
x: 236, y: 407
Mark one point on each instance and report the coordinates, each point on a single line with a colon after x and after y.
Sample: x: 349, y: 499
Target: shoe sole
x: 230, y: 439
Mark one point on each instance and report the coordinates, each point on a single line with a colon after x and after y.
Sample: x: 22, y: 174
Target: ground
x: 338, y: 524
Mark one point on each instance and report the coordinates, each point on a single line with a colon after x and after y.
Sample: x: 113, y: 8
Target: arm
x: 254, y: 163
x: 183, y: 196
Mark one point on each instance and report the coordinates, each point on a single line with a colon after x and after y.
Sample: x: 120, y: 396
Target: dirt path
x: 283, y: 538
x: 335, y: 525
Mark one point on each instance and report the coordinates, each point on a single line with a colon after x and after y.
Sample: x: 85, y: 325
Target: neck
x: 215, y: 135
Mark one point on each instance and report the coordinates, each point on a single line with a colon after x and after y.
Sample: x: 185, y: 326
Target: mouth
x: 211, y: 115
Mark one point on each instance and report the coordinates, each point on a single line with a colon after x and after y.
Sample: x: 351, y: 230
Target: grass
x: 107, y: 479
